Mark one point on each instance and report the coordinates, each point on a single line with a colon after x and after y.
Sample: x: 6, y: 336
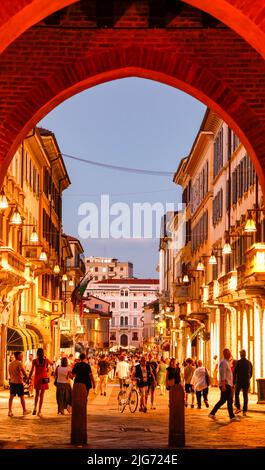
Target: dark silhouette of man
x: 242, y: 376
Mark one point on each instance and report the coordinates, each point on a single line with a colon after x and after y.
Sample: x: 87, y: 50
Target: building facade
x: 127, y: 298
x: 73, y: 270
x: 96, y: 324
x: 102, y: 269
x: 220, y: 269
x: 30, y: 231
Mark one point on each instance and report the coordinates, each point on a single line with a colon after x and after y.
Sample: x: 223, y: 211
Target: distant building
x: 108, y: 268
x: 96, y: 320
x: 127, y: 298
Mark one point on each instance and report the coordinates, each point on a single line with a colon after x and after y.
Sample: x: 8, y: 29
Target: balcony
x: 255, y: 262
x: 79, y: 330
x: 214, y: 289
x: 12, y: 261
x: 65, y: 325
x: 228, y: 283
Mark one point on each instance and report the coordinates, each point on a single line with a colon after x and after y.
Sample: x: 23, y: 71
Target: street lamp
x: 43, y: 255
x: 3, y: 201
x: 200, y: 266
x: 212, y: 259
x: 250, y: 226
x: 16, y: 218
x: 227, y: 250
x: 56, y: 269
x: 34, y: 238
x: 65, y: 278
x: 71, y: 283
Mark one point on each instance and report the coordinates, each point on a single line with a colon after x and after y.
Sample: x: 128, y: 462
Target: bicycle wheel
x: 133, y: 400
x: 122, y: 400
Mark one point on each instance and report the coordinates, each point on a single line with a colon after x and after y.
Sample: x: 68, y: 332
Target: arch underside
x: 43, y: 67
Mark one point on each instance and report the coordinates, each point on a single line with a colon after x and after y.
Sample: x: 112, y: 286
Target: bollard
x: 176, y: 432
x: 79, y: 415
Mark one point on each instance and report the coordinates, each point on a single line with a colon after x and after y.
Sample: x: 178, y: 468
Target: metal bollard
x: 176, y: 432
x: 79, y: 415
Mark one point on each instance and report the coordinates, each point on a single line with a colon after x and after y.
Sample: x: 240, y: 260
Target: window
x: 218, y: 207
x: 218, y: 154
x: 134, y: 304
x: 113, y: 336
x: 113, y: 322
x: 126, y: 321
x: 96, y: 278
x: 199, y: 233
x: 111, y: 269
x: 126, y: 293
x: 145, y: 303
x: 98, y: 306
x: 96, y: 269
x: 121, y: 304
x: 121, y: 269
x: 126, y: 305
x: 121, y: 321
x: 243, y: 177
x: 135, y: 336
x: 134, y: 321
x: 112, y: 304
x: 122, y: 292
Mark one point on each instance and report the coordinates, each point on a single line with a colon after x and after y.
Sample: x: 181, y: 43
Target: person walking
x: 16, y: 373
x: 103, y: 370
x: 83, y: 373
x: 161, y: 376
x: 41, y: 379
x: 242, y: 375
x: 63, y: 387
x: 28, y: 365
x: 226, y: 387
x: 215, y: 371
x: 188, y: 374
x: 200, y: 382
x: 144, y: 375
x: 173, y: 374
x: 154, y: 366
x: 122, y: 370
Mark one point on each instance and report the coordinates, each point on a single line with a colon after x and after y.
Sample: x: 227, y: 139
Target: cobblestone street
x: 108, y: 429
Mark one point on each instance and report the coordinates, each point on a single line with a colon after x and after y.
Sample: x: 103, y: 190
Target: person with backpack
x: 201, y: 381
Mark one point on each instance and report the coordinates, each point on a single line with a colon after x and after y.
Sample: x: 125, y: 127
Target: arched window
x: 121, y: 321
x: 126, y: 321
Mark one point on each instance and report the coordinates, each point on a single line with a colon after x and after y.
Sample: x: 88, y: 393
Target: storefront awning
x: 21, y: 339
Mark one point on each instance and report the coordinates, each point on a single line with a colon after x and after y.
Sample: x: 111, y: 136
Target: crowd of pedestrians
x: 151, y: 375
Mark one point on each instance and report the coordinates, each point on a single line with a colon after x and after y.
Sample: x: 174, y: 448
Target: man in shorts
x: 103, y: 370
x: 188, y: 373
x: 16, y: 374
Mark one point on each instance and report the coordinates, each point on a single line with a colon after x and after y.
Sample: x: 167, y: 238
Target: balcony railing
x: 255, y: 261
x: 228, y: 283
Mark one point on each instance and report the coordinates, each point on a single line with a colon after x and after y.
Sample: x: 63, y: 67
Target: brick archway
x: 171, y: 69
x: 246, y: 18
x: 47, y: 65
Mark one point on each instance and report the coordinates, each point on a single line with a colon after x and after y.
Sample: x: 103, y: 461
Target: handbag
x: 45, y: 380
x: 207, y: 378
x: 55, y: 382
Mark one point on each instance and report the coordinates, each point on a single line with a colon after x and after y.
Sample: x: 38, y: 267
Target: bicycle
x: 128, y: 396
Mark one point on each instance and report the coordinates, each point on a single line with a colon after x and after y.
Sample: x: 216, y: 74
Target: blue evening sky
x: 133, y: 123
